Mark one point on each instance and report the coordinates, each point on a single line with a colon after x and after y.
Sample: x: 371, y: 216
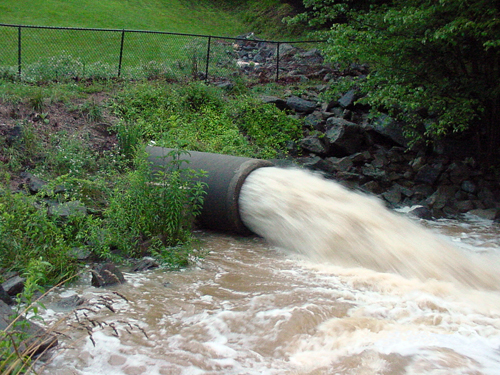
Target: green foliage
x: 70, y: 154
x: 153, y: 213
x: 28, y: 233
x: 198, y: 117
x: 266, y: 126
x: 434, y: 64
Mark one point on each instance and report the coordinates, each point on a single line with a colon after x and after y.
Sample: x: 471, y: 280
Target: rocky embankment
x: 371, y: 155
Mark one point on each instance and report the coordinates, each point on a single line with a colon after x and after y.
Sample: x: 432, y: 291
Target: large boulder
x: 30, y: 338
x: 106, y: 274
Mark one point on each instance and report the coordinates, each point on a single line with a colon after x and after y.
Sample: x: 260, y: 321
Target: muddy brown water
x: 340, y: 285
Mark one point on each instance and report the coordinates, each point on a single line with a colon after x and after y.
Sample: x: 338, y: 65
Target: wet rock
x: 67, y: 209
x: 38, y: 340
x: 393, y: 130
x: 427, y: 175
x: 340, y: 164
x: 347, y: 100
x: 421, y: 212
x: 106, y: 275
x: 372, y: 187
x: 468, y: 186
x: 278, y: 102
x: 313, y: 144
x: 464, y: 206
x: 4, y: 296
x: 488, y: 214
x: 14, y: 285
x: 69, y: 303
x: 33, y: 183
x: 144, y: 265
x: 344, y: 137
x: 300, y: 105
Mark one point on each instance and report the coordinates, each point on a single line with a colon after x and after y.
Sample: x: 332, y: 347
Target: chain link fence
x: 41, y: 53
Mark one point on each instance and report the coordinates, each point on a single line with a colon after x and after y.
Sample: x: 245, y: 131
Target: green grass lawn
x: 58, y: 54
x: 190, y: 16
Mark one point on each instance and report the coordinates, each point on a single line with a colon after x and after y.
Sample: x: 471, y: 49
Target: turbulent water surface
x: 339, y: 286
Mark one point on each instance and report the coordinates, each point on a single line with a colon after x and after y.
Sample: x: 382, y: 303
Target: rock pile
x: 372, y: 155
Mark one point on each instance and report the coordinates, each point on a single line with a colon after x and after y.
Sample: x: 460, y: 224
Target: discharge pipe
x: 224, y: 178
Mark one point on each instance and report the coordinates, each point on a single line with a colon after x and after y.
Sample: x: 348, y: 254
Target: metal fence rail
x: 40, y: 53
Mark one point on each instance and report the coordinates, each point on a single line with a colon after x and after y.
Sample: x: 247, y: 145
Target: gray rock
x: 390, y: 129
x: 421, y: 212
x: 300, y: 105
x: 37, y: 340
x: 67, y: 209
x: 313, y: 144
x: 347, y: 99
x: 469, y: 187
x: 144, y: 265
x: 14, y: 285
x: 278, y: 102
x: 427, y: 175
x: 106, y: 275
x: 5, y: 297
x: 488, y: 214
x: 69, y: 303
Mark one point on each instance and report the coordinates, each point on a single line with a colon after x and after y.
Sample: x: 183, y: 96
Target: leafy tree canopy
x: 433, y: 63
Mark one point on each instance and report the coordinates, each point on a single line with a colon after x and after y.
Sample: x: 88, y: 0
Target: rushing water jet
x: 301, y: 211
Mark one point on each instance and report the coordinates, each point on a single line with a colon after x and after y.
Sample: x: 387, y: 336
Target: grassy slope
x: 164, y: 15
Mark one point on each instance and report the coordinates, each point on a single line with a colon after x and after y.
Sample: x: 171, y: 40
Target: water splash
x: 301, y: 211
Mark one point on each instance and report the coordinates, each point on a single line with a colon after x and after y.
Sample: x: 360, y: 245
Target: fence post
x: 277, y: 61
x: 19, y: 51
x: 121, y: 53
x: 208, y: 58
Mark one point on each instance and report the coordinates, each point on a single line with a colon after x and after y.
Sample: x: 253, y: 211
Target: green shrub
x: 433, y: 64
x: 28, y: 232
x: 153, y: 213
x: 267, y: 127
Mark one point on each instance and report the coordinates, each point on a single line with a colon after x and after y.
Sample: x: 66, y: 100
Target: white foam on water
x: 359, y: 291
x: 306, y: 213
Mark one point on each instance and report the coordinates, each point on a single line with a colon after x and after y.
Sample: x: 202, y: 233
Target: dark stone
x: 313, y: 144
x: 427, y: 175
x: 5, y: 297
x: 67, y: 209
x: 344, y: 137
x: 347, y: 100
x: 393, y: 195
x: 278, y: 102
x: 314, y: 121
x: 421, y: 212
x: 33, y: 183
x: 300, y: 105
x: 69, y: 303
x: 80, y: 253
x: 14, y: 285
x: 315, y: 163
x: 106, y: 274
x: 391, y: 129
x: 312, y: 56
x: 372, y: 187
x: 464, y: 206
x: 488, y: 214
x: 443, y: 195
x: 37, y: 340
x: 340, y: 164
x: 144, y: 264
x: 468, y: 186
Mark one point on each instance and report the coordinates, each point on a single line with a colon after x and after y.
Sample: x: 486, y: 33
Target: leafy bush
x: 153, y: 213
x: 433, y: 64
x: 267, y: 127
x: 28, y: 233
